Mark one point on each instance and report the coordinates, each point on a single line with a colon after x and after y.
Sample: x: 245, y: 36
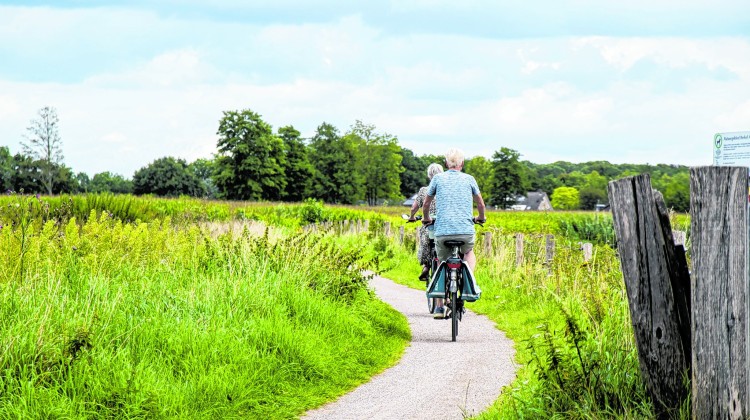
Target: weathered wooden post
x: 655, y: 286
x: 519, y: 249
x: 719, y: 235
x: 588, y: 251
x: 387, y: 229
x: 401, y: 235
x: 549, y: 249
x: 679, y: 237
x: 488, y: 243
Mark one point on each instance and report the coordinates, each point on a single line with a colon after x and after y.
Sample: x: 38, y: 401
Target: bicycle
x: 434, y: 262
x: 453, y: 281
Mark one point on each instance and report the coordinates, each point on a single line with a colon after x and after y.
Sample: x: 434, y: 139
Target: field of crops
x: 141, y: 307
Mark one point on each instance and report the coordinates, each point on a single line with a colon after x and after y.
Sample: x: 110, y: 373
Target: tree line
x: 358, y: 166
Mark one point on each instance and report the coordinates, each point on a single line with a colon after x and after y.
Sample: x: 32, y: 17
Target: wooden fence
x: 527, y: 248
x: 689, y: 324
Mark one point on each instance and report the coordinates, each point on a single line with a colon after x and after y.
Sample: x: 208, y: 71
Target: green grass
x: 156, y: 320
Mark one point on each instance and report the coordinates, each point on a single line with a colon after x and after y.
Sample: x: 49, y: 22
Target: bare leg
x: 470, y: 259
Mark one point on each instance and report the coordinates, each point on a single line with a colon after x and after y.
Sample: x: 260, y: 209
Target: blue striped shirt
x: 454, y: 191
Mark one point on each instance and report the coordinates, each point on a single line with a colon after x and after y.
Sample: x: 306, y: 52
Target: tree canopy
x: 167, y: 177
x: 250, y: 162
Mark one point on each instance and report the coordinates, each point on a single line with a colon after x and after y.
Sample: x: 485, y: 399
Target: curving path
x: 435, y: 378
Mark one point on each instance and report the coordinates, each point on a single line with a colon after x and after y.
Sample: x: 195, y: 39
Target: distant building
x: 535, y: 200
x: 409, y: 201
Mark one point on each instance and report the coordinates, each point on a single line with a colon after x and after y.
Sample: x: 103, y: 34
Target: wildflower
x: 37, y: 196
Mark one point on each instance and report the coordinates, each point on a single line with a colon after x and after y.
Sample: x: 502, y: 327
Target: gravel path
x: 436, y: 378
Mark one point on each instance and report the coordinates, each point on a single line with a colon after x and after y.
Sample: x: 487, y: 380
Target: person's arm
x: 414, y: 210
x: 426, y: 209
x: 480, y: 208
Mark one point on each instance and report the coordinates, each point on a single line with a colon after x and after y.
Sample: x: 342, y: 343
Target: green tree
x: 26, y: 176
x: 381, y: 162
x: 297, y: 167
x: 677, y: 192
x: 481, y: 169
x: 336, y: 177
x: 508, y: 179
x: 250, y: 163
x: 168, y: 177
x: 565, y: 198
x: 593, y: 191
x: 6, y: 169
x: 414, y: 175
x: 83, y: 182
x: 204, y: 169
x: 108, y: 182
x: 43, y: 143
x: 64, y: 181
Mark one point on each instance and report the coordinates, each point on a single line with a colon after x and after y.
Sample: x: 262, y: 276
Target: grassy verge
x: 153, y: 320
x: 571, y: 325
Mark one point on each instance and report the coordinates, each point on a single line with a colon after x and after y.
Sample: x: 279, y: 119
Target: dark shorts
x: 443, y: 252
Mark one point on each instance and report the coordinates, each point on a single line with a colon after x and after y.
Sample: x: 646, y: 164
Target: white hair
x: 433, y: 170
x: 454, y: 158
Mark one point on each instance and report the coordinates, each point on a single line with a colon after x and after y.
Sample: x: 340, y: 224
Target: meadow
x: 117, y: 306
x: 104, y: 318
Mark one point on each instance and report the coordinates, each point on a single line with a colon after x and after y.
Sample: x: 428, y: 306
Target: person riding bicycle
x: 426, y: 233
x: 454, y: 193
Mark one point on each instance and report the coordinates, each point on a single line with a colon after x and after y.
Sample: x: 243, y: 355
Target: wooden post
x: 367, y: 226
x: 401, y: 235
x: 588, y: 251
x: 549, y: 249
x: 488, y: 243
x: 417, y: 232
x: 387, y: 229
x: 679, y: 237
x: 654, y: 283
x: 519, y: 249
x: 719, y: 235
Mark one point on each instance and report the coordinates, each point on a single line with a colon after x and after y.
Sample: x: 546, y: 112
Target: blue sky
x: 627, y: 82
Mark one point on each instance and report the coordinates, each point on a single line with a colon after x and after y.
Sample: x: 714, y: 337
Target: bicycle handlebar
x: 408, y: 220
x: 474, y: 220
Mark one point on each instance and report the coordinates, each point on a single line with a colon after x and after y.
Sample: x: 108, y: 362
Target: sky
x: 623, y: 81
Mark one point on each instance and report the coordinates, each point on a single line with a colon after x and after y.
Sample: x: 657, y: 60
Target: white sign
x: 732, y: 149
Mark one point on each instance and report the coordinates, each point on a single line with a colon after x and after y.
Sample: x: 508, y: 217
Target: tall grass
x: 162, y: 320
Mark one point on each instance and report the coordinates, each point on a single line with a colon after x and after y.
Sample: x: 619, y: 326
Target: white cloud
x: 170, y: 69
x: 168, y: 81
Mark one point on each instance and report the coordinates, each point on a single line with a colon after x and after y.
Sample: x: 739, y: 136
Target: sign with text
x: 732, y: 149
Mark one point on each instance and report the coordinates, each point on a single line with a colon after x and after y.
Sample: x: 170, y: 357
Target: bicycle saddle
x: 454, y: 243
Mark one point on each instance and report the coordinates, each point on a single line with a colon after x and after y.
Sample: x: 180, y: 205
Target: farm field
x: 143, y: 307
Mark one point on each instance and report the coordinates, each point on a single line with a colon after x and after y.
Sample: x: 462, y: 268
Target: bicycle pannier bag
x: 470, y: 291
x: 437, y: 284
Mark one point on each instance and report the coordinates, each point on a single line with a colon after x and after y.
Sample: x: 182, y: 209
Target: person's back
x: 453, y: 191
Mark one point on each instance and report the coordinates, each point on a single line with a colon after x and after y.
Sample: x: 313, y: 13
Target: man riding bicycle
x: 454, y: 193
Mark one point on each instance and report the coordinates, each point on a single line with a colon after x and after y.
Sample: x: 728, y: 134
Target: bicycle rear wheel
x: 454, y: 315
